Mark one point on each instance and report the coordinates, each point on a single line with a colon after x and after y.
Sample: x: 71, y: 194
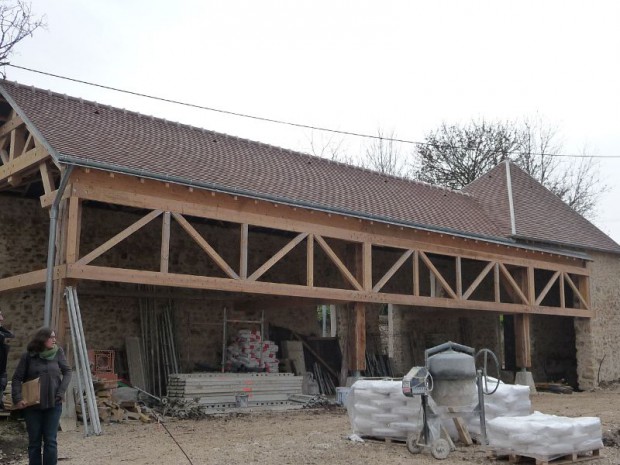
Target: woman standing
x: 46, y: 361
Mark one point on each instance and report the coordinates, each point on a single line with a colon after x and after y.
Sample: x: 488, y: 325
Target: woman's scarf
x: 49, y: 354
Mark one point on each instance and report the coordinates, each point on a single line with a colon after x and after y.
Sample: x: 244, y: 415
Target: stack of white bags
x: 378, y: 408
x: 249, y: 353
x: 544, y: 437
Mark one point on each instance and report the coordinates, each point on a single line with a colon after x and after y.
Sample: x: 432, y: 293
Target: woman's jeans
x: 42, y: 426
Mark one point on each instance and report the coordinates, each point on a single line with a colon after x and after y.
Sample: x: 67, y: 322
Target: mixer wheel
x: 412, y: 443
x: 440, y: 449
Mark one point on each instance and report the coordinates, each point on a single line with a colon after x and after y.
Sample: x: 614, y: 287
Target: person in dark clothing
x: 46, y: 361
x: 4, y: 355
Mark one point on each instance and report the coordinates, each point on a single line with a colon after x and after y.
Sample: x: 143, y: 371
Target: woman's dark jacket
x: 54, y: 377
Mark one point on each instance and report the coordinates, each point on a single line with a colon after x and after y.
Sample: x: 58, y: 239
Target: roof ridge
x: 243, y: 139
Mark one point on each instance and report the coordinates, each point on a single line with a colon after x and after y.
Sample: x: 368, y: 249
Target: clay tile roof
x: 540, y: 216
x: 88, y: 133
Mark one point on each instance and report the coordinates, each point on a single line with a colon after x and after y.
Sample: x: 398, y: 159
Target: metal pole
x: 224, y: 342
x: 51, y: 246
x: 483, y: 423
x: 89, y: 380
x: 77, y: 364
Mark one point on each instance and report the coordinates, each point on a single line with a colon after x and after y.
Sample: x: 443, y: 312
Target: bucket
x: 341, y: 395
x: 241, y: 400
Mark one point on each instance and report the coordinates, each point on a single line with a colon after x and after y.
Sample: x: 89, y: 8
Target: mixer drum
x: 454, y: 379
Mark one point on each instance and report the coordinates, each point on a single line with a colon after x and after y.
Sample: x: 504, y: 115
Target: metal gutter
x: 86, y: 163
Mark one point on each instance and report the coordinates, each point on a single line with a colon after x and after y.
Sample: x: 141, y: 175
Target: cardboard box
x: 31, y: 392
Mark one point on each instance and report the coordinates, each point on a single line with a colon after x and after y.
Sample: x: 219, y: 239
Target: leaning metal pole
x: 51, y: 246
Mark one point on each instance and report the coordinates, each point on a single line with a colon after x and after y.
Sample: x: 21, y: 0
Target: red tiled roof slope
x: 539, y: 214
x: 90, y: 132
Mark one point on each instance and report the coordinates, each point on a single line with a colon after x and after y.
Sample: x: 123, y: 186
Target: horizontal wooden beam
x: 155, y: 278
x: 28, y: 280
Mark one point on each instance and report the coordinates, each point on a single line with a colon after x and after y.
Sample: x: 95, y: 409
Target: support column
x: 523, y: 341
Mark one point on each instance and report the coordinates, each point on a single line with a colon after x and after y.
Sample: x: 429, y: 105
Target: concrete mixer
x: 456, y: 386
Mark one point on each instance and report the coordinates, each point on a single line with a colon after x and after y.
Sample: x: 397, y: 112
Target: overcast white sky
x: 404, y: 66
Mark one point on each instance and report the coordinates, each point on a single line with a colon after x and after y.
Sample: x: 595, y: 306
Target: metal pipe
x: 51, y: 246
x: 77, y: 364
x: 89, y: 380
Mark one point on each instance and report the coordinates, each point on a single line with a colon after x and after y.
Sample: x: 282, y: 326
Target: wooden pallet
x: 574, y: 457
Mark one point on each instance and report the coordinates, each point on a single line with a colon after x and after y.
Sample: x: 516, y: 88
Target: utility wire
x: 287, y: 123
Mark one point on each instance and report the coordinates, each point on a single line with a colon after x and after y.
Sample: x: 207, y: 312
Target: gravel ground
x: 309, y: 436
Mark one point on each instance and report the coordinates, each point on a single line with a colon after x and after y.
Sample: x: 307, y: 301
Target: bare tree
x: 16, y: 23
x: 455, y: 155
x: 383, y: 155
x: 330, y: 147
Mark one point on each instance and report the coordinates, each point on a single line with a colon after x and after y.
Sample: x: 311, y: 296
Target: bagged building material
x: 249, y: 353
x: 544, y: 437
x: 378, y: 408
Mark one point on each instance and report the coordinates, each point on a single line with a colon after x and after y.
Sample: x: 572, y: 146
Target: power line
x: 287, y: 123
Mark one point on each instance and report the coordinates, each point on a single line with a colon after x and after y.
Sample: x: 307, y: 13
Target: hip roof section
x: 540, y: 215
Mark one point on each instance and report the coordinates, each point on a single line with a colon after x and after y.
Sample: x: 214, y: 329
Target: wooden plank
x: 562, y: 290
x: 461, y: 429
x: 366, y: 266
x: 336, y: 260
x: 23, y: 281
x: 204, y: 245
x: 119, y: 237
x: 459, y: 278
x: 74, y: 227
x: 416, y: 273
x: 478, y: 280
x: 165, y: 243
x: 523, y: 340
x: 310, y: 260
x: 438, y: 275
x: 277, y: 257
x: 496, y: 288
x: 17, y: 144
x: 243, y: 251
x: 546, y: 289
x: 394, y: 268
x: 11, y: 125
x: 357, y: 348
x: 46, y: 178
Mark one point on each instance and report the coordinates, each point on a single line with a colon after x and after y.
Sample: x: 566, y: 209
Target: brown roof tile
x: 88, y: 133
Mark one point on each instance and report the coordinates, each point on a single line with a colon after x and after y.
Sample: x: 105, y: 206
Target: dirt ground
x: 309, y: 436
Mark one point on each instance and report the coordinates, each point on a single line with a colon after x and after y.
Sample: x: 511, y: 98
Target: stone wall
x: 597, y: 341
